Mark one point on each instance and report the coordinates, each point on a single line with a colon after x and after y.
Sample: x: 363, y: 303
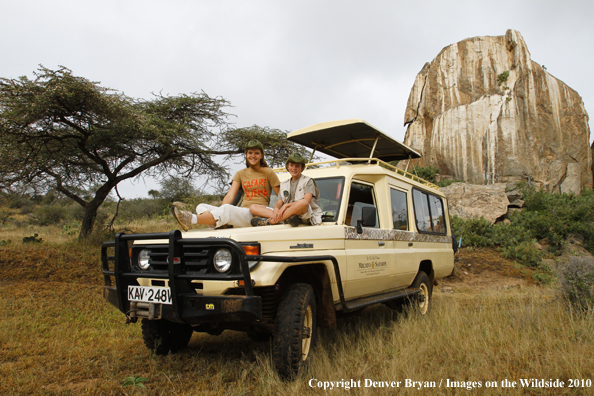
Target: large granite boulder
x: 482, y: 111
x: 475, y: 201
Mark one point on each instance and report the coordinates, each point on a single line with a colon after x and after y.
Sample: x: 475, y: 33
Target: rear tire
x: 162, y: 336
x: 419, y: 303
x: 295, y: 331
x: 422, y: 302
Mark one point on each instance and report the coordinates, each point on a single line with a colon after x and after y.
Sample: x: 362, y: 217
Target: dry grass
x: 59, y: 337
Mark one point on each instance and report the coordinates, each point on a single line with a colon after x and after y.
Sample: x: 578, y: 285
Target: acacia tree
x: 63, y: 132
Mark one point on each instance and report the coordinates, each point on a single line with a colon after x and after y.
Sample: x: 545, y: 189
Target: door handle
x: 410, y: 244
x: 381, y: 243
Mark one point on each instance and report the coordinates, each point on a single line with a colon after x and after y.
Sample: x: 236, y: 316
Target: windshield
x: 330, y: 196
x: 329, y: 199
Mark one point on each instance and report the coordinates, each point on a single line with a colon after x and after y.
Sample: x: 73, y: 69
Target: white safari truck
x: 385, y: 238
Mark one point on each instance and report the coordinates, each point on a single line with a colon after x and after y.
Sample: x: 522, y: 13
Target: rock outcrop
x: 475, y: 201
x: 482, y: 111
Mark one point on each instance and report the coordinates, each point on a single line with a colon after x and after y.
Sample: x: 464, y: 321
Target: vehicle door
x: 368, y: 253
x: 404, y: 258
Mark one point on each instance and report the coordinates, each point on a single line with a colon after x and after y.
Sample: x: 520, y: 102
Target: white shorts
x: 227, y: 215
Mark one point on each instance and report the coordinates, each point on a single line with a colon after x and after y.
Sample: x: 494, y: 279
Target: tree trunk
x: 91, y: 209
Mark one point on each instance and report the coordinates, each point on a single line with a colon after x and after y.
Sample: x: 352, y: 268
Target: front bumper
x: 194, y: 308
x: 187, y: 306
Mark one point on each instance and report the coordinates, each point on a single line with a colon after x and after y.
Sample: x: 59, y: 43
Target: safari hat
x: 254, y: 144
x: 297, y: 159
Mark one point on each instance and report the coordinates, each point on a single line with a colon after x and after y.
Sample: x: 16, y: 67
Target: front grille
x: 196, y: 259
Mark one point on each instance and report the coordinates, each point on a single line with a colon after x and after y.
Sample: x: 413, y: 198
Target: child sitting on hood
x: 297, y: 202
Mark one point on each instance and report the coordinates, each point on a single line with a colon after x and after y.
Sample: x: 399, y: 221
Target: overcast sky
x: 284, y: 64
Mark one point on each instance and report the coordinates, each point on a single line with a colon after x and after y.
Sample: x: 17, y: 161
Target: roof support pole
x: 373, y: 148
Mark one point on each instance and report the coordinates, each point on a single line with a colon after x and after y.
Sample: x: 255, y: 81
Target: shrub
x: 556, y: 216
x: 576, y: 279
x: 51, y: 215
x: 32, y: 239
x: 445, y: 183
x: 502, y: 78
x: 425, y: 172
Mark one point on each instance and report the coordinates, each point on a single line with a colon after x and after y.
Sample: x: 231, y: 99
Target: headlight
x: 222, y: 260
x: 143, y: 259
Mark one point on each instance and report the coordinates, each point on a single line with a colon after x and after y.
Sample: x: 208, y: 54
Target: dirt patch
x: 484, y: 269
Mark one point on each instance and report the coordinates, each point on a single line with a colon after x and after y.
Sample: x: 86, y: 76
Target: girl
x: 257, y: 180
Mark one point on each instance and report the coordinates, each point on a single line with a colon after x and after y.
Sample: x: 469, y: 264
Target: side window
x: 422, y: 215
x: 428, y: 212
x: 436, y: 206
x: 361, y: 196
x: 399, y: 209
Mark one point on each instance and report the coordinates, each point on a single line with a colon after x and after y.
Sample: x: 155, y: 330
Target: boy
x: 297, y: 202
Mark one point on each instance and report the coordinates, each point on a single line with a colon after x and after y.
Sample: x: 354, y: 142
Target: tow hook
x: 130, y: 319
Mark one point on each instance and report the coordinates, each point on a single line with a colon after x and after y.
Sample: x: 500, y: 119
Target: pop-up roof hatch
x: 352, y: 138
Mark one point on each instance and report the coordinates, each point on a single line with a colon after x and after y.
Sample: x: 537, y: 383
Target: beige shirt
x: 257, y: 185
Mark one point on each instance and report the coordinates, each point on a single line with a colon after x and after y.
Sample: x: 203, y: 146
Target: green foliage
x: 134, y: 382
x: 32, y: 239
x: 546, y: 215
x: 5, y: 242
x: 524, y: 251
x: 576, y: 279
x: 425, y: 172
x: 71, y: 229
x: 53, y: 214
x: 502, y: 78
x: 445, y: 183
x: 556, y: 216
x: 63, y: 133
x: 177, y: 188
x: 276, y: 146
x: 142, y: 208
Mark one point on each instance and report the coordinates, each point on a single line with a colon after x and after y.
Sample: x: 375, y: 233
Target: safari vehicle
x: 385, y: 238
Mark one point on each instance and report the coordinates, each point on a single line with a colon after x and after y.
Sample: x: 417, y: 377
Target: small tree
x: 67, y: 133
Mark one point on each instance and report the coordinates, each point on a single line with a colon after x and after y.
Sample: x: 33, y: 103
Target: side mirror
x: 368, y: 215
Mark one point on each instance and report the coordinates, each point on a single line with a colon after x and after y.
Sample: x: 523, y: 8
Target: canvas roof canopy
x: 352, y: 138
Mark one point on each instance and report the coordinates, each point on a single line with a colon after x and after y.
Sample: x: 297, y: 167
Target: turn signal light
x: 252, y: 250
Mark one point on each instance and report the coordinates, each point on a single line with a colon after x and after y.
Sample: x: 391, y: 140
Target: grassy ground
x: 59, y: 337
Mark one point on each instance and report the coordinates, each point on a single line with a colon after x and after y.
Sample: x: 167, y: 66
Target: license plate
x: 158, y: 295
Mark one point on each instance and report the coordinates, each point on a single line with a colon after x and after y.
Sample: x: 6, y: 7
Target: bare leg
x: 206, y: 218
x: 298, y: 208
x: 260, y: 211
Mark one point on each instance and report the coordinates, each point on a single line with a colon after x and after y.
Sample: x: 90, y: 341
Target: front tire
x: 295, y: 331
x: 162, y: 336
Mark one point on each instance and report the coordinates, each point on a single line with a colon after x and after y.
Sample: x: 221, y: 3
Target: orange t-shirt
x: 257, y: 185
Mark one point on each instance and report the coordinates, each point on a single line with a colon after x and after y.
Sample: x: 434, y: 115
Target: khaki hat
x: 254, y: 144
x: 296, y: 158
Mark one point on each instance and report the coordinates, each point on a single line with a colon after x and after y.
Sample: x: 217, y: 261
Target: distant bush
x: 141, y: 208
x: 546, y: 215
x: 556, y: 216
x: 576, y: 280
x: 448, y: 182
x: 51, y: 215
x: 425, y: 172
x: 32, y: 239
